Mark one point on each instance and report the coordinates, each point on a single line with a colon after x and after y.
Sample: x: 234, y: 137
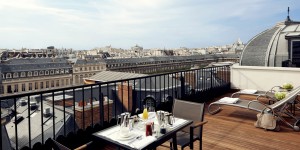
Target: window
x: 85, y: 69
x: 3, y: 76
x: 94, y: 68
x: 36, y: 85
x: 66, y: 70
x: 30, y: 86
x: 41, y: 72
x: 22, y: 74
x: 16, y: 88
x: 296, y: 52
x: 67, y: 81
x: 52, y: 83
x: 47, y: 84
x: 57, y: 83
x: 29, y: 74
x: 90, y: 68
x: 16, y: 75
x: 51, y: 71
x: 62, y: 82
x: 97, y: 67
x: 23, y: 87
x: 41, y: 85
x: 46, y: 72
x: 8, y: 75
x: 57, y: 71
x: 9, y: 89
x: 35, y: 73
x: 62, y: 71
x: 80, y: 69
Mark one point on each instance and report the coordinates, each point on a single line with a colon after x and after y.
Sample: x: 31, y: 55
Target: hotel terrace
x: 72, y: 114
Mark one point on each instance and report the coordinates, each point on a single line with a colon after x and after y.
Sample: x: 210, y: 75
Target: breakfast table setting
x: 143, y: 131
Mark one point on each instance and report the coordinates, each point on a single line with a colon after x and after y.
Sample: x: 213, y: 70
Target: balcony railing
x: 34, y: 117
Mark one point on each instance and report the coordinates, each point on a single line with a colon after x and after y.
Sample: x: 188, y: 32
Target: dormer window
x: 22, y: 74
x: 62, y: 71
x: 46, y: 72
x: 57, y: 71
x: 16, y: 75
x: 29, y: 74
x: 41, y: 72
x: 35, y: 73
x: 3, y: 76
x: 8, y: 75
x: 51, y: 71
x: 66, y: 70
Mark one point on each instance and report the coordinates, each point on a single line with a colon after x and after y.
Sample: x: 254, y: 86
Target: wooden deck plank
x: 233, y: 129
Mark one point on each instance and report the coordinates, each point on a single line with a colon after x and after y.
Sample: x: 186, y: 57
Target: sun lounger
x: 278, y: 107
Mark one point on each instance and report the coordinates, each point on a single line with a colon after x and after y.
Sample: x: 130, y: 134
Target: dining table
x: 138, y: 139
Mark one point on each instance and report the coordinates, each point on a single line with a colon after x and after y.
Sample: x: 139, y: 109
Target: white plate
x: 131, y: 136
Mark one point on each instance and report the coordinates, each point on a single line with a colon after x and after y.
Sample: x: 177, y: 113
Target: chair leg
x: 171, y: 146
x: 200, y: 144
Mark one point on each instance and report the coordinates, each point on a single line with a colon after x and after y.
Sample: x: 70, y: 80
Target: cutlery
x: 137, y: 138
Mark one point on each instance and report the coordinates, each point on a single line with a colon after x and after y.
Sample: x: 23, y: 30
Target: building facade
x: 30, y: 74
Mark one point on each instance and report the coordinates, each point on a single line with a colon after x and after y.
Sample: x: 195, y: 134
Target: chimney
x: 85, y: 117
x: 191, y: 79
x: 81, y: 103
x: 125, y: 95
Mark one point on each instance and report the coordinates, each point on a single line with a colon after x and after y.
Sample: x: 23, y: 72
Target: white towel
x: 248, y: 91
x: 228, y: 100
x: 139, y: 144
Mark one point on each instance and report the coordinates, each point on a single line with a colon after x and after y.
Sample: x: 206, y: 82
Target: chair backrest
x: 5, y: 139
x: 290, y: 97
x: 58, y: 146
x: 190, y: 111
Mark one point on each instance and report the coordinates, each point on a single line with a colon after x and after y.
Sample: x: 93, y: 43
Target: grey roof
x: 270, y: 47
x: 105, y: 76
x: 169, y: 58
x: 31, y: 64
x: 157, y: 83
x: 89, y: 61
x: 34, y: 60
x: 35, y: 126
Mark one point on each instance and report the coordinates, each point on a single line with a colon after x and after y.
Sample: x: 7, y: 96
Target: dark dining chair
x: 59, y: 146
x: 189, y: 111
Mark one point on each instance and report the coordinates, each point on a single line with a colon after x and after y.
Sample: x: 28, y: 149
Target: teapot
x: 123, y: 119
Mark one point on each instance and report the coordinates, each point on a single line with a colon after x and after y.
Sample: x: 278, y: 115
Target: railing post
x: 182, y: 85
x: 101, y: 109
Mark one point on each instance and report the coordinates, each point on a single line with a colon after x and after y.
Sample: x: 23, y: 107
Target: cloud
x: 151, y: 23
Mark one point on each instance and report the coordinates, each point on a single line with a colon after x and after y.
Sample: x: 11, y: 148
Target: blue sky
x: 86, y: 24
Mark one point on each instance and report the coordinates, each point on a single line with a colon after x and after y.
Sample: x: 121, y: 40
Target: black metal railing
x: 34, y: 117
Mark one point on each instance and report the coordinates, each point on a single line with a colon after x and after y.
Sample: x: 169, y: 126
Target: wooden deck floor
x: 233, y: 128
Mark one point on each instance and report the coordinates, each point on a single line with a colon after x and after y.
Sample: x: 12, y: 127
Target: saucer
x: 130, y: 136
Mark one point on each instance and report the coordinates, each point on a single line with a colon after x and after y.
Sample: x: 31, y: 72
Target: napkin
x: 110, y: 131
x: 177, y: 122
x: 248, y: 91
x: 229, y: 100
x: 139, y: 144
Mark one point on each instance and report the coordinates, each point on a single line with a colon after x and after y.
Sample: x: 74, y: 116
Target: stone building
x: 84, y: 68
x: 30, y: 74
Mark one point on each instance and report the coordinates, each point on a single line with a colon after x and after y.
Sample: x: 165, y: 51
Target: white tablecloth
x: 139, y: 130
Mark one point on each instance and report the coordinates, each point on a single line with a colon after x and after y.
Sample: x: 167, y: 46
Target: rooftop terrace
x: 231, y: 128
